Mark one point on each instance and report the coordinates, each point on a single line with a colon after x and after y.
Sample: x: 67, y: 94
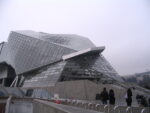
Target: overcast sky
x: 123, y: 26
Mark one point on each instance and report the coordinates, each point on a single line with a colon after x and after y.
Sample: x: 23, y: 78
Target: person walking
x: 129, y: 97
x: 111, y: 97
x: 104, y: 96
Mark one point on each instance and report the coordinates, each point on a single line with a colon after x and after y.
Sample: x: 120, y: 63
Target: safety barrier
x: 110, y: 108
x: 40, y: 106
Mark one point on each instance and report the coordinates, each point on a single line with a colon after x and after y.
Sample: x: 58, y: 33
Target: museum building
x: 37, y: 59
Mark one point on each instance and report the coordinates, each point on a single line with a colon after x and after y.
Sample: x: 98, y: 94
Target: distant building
x: 142, y: 79
x: 37, y: 59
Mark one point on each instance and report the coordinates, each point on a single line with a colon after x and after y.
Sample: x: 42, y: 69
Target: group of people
x: 141, y: 100
x: 106, y: 96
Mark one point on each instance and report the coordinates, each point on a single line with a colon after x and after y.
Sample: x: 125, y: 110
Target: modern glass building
x: 37, y: 59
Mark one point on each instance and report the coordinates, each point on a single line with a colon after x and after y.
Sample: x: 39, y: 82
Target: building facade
x: 37, y: 59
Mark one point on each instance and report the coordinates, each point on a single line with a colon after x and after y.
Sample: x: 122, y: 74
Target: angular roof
x: 71, y: 41
x: 28, y: 50
x: 83, y: 52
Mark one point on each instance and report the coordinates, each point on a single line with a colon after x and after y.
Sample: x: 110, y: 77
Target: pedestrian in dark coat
x: 111, y: 97
x: 149, y: 101
x: 144, y: 102
x: 104, y: 96
x: 129, y: 97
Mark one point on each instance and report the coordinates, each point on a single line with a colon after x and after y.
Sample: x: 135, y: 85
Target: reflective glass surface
x: 44, y: 77
x: 89, y: 66
x: 26, y: 51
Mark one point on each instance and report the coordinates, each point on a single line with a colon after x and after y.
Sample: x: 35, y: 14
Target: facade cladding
x: 1, y: 46
x: 40, y: 58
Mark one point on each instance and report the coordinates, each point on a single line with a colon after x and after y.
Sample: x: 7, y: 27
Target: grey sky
x: 123, y: 26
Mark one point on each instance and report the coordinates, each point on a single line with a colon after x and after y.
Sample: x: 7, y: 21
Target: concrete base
x: 87, y: 90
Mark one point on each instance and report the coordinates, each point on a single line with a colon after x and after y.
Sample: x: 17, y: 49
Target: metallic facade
x: 39, y: 58
x: 25, y: 53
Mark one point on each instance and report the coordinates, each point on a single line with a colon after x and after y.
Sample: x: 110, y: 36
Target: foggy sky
x: 123, y: 26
